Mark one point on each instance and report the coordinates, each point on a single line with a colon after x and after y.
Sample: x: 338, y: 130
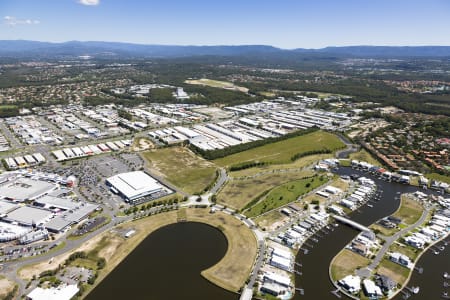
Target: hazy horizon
x: 283, y: 24
x: 221, y: 45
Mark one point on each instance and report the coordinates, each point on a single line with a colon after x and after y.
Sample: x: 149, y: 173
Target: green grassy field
x: 182, y: 168
x: 345, y: 263
x: 238, y: 192
x: 284, y: 194
x: 282, y: 151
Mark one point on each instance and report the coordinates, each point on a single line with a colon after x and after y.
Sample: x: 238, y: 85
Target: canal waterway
x: 432, y: 283
x: 167, y: 265
x: 315, y: 264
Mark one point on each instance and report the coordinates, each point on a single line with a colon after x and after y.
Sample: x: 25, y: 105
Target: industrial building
x: 23, y: 189
x: 29, y: 216
x: 19, y: 162
x: 135, y: 185
x: 7, y: 206
x: 50, y: 206
x: 65, y: 292
x: 76, y: 152
x: 10, y: 232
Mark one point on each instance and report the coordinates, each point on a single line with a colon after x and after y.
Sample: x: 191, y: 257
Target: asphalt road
x: 10, y: 268
x: 223, y: 178
x: 391, y: 239
x: 351, y: 148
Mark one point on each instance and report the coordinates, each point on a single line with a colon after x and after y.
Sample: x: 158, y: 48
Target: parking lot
x: 110, y: 165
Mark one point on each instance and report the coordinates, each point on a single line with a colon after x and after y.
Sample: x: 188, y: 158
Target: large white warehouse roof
x: 134, y: 185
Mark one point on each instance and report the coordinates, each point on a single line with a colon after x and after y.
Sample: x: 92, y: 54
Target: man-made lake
x: 167, y: 265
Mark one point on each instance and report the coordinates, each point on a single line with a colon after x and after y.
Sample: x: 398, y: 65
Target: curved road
x: 351, y: 148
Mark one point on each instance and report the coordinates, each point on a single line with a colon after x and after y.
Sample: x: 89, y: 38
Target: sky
x: 281, y: 23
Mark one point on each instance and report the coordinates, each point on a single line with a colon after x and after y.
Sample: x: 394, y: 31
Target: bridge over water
x: 351, y: 223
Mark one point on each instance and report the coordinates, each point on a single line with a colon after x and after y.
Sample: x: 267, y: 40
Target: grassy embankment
x: 182, y: 168
x: 233, y: 269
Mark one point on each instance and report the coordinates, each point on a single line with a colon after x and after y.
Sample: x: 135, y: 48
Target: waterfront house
x: 359, y: 248
x: 401, y: 259
x: 271, y: 289
x: 281, y: 263
x: 351, y: 283
x: 371, y: 290
x: 385, y: 283
x: 415, y: 242
x: 272, y: 277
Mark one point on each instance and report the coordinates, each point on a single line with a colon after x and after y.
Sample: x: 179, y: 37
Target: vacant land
x: 218, y: 84
x: 314, y: 199
x: 182, y: 168
x: 409, y: 211
x: 383, y: 230
x: 233, y: 269
x: 317, y: 199
x: 281, y: 152
x: 271, y: 220
x: 285, y: 194
x: 363, y: 155
x: 104, y: 245
x: 238, y: 192
x: 6, y: 286
x: 345, y: 263
x: 340, y: 184
x: 298, y: 164
x: 395, y: 271
x: 409, y: 251
x: 142, y: 144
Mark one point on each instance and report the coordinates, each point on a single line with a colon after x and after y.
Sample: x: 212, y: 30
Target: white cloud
x: 89, y: 2
x: 13, y: 21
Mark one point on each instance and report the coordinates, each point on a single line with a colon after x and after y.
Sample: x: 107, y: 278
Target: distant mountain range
x: 23, y: 48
